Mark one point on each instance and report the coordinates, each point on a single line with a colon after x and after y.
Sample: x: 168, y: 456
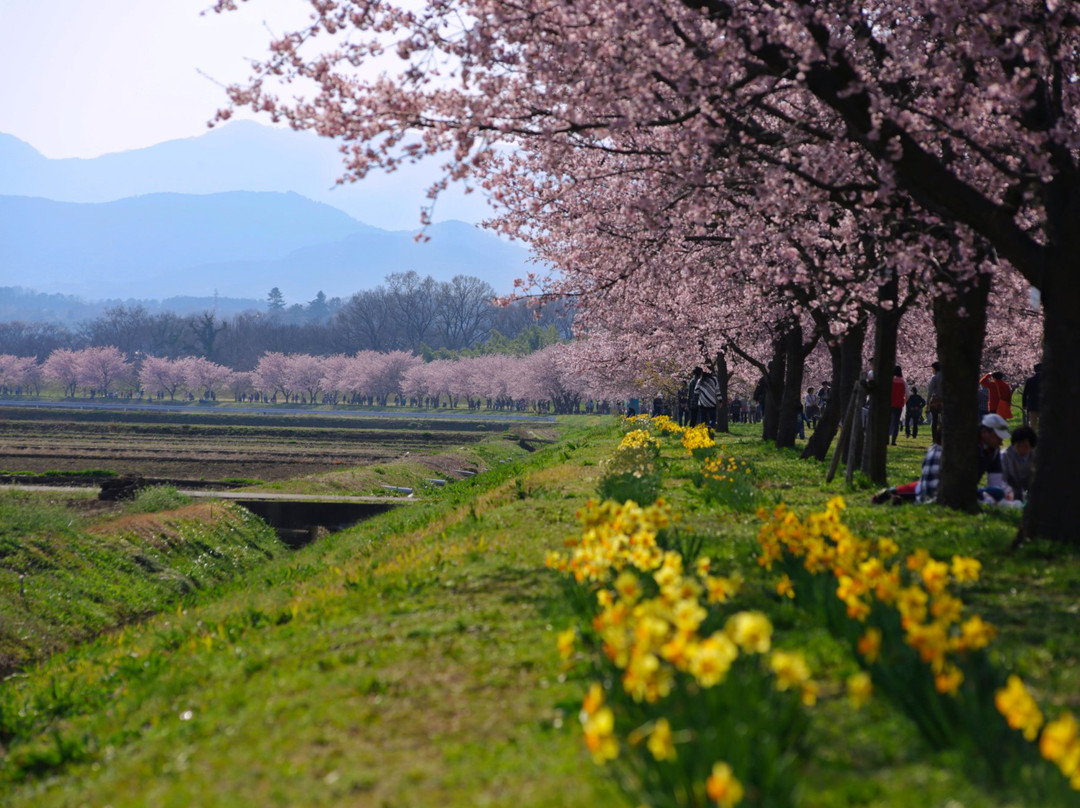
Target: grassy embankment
x: 410, y: 661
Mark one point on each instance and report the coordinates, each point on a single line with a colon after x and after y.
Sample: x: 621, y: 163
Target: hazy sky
x: 87, y: 77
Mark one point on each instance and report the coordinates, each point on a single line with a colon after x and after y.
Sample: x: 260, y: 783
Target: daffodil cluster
x: 867, y: 576
x: 679, y: 661
x: 912, y: 636
x: 1060, y: 744
x: 728, y: 482
x: 698, y: 440
x: 1059, y: 741
x: 614, y: 536
x: 633, y: 472
x: 639, y: 439
x: 663, y: 425
x: 640, y: 421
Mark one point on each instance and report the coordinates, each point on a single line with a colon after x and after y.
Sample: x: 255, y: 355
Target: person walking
x: 899, y: 398
x: 811, y: 407
x: 708, y: 388
x: 935, y: 401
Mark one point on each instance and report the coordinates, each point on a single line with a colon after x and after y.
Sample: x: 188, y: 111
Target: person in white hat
x: 993, y: 430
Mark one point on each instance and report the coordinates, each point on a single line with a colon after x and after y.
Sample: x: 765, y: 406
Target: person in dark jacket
x: 1029, y: 399
x: 913, y: 413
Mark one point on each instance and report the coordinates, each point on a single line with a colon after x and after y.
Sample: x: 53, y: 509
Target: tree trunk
x: 846, y: 356
x: 720, y: 369
x: 792, y: 390
x: 886, y: 326
x: 774, y: 387
x: 858, y: 432
x: 959, y: 344
x: 1053, y: 509
x: 845, y: 434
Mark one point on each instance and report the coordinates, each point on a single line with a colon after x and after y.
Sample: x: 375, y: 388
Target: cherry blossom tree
x: 160, y: 375
x: 203, y: 376
x: 387, y: 374
x: 62, y: 368
x: 272, y: 374
x: 305, y: 372
x: 963, y: 115
x: 19, y: 373
x: 101, y: 368
x: 547, y: 376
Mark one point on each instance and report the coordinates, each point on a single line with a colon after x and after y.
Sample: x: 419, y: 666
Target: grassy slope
x: 66, y: 576
x: 410, y: 661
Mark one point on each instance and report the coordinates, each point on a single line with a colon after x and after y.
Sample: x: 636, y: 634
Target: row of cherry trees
x: 367, y: 377
x: 742, y: 182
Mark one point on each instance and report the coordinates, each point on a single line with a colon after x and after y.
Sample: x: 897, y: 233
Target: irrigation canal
x: 297, y: 518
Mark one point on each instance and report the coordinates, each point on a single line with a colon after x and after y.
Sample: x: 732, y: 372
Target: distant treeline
x: 409, y: 313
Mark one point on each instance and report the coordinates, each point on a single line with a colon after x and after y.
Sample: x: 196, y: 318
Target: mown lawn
x: 411, y: 660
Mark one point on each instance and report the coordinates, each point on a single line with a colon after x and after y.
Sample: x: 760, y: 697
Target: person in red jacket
x: 899, y: 398
x: 1000, y: 394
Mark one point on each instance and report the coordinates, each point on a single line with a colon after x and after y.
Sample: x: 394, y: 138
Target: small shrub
x: 158, y: 498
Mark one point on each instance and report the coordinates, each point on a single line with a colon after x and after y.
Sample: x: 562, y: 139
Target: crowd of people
x: 1008, y: 474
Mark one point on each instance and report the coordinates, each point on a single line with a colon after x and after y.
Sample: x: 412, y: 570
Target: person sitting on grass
x: 1018, y: 460
x: 993, y: 430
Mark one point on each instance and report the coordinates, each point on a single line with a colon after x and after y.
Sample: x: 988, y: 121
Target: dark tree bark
x: 846, y: 356
x: 1053, y: 509
x: 886, y: 327
x: 774, y: 389
x: 720, y: 370
x: 959, y: 343
x: 792, y: 387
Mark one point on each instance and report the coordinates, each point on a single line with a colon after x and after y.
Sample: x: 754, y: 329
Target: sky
x: 83, y: 78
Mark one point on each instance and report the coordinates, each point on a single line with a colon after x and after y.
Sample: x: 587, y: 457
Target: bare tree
x: 465, y: 308
x: 414, y: 301
x: 365, y: 322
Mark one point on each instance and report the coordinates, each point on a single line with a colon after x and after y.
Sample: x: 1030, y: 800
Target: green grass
x: 66, y: 578
x: 157, y: 498
x: 410, y: 660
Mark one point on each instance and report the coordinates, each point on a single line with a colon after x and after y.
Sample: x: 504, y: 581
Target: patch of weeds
x: 23, y: 513
x: 158, y: 498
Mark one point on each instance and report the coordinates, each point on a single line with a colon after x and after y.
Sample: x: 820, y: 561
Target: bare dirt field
x: 219, y: 445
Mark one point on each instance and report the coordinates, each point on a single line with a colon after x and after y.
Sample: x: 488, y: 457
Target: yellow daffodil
x: 1019, y: 708
x: 751, y: 631
x: 784, y: 587
x: 790, y: 668
x: 566, y: 642
x: 722, y: 786
x: 600, y: 736
x: 661, y: 741
x: 860, y: 688
x: 869, y: 645
x: 711, y: 659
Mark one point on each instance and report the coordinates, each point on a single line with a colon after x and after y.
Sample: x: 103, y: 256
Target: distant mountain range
x: 222, y: 214
x: 239, y: 156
